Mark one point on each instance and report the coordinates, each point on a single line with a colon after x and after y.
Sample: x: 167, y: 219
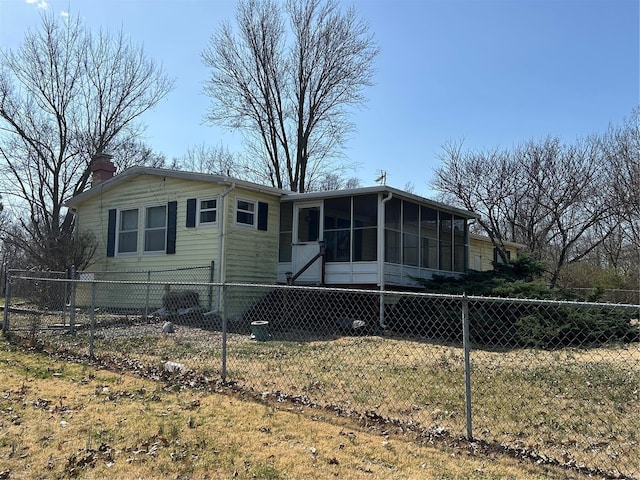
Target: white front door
x: 307, y: 233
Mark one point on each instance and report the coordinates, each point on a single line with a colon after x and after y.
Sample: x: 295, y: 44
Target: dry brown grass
x: 63, y: 420
x: 574, y: 405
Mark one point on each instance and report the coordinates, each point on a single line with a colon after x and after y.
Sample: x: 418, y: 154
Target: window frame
x: 429, y: 237
x: 410, y: 233
x: 119, y: 231
x: 285, y: 233
x: 253, y: 213
x: 460, y: 244
x: 337, y: 238
x: 445, y: 241
x: 497, y: 260
x: 145, y: 229
x: 199, y: 210
x: 393, y: 240
x: 362, y: 230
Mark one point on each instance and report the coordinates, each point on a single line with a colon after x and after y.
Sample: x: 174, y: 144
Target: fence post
x: 146, y: 303
x: 64, y: 303
x: 224, y: 333
x: 7, y: 296
x: 381, y: 322
x: 72, y: 301
x: 211, y: 278
x: 467, y: 364
x: 92, y: 316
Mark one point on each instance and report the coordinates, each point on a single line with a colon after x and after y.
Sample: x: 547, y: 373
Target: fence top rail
x: 558, y: 303
x: 116, y: 282
x: 386, y: 293
x: 603, y: 289
x: 16, y: 272
x: 26, y: 270
x: 161, y: 270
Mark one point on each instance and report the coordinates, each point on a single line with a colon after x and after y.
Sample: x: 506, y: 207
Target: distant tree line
x: 571, y: 204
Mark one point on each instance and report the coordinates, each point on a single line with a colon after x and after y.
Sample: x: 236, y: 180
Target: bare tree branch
x: 65, y: 95
x: 290, y: 98
x: 550, y: 196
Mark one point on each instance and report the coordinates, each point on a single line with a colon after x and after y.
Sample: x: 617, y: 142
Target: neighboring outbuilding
x: 483, y: 255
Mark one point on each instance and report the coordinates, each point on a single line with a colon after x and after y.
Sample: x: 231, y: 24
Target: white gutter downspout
x: 381, y: 249
x: 221, y: 255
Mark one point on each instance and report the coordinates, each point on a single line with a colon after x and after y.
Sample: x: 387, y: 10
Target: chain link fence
x: 560, y: 380
x: 609, y: 295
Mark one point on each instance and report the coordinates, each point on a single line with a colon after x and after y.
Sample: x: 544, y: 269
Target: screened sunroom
x: 369, y: 236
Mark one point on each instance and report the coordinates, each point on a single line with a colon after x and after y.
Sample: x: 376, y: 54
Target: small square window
x: 245, y: 213
x: 207, y: 211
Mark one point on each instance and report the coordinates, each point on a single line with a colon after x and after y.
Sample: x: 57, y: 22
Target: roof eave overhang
x: 309, y: 196
x: 163, y: 172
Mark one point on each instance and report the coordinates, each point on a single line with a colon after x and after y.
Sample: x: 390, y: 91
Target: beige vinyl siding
x: 251, y: 254
x: 194, y: 246
x: 483, y: 248
x: 484, y: 251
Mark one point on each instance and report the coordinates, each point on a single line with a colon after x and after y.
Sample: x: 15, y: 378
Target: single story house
x: 373, y: 237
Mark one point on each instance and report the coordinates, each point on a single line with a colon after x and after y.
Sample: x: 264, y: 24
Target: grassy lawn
x: 576, y: 406
x: 66, y: 420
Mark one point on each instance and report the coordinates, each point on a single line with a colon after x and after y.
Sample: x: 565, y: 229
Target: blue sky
x: 491, y: 72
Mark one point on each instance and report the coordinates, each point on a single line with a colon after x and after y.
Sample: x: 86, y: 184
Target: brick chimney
x: 102, y: 168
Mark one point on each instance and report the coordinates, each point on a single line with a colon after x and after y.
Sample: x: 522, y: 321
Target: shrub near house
x: 504, y: 324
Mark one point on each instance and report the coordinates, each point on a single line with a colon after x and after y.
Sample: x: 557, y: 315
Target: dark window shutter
x: 172, y: 214
x: 191, y: 212
x: 111, y: 233
x: 263, y: 214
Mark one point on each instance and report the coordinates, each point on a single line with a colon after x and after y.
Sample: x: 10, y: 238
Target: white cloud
x: 64, y: 14
x: 39, y: 3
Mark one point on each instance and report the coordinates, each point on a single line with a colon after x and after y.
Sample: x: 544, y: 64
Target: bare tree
x: 621, y: 145
x: 65, y: 95
x: 290, y: 90
x: 547, y: 195
x: 134, y: 152
x: 480, y: 182
x: 410, y: 187
x: 334, y: 181
x: 208, y: 159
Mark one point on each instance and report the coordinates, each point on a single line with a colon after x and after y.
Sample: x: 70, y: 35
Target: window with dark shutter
x: 111, y: 233
x: 263, y: 215
x: 191, y: 212
x: 172, y: 214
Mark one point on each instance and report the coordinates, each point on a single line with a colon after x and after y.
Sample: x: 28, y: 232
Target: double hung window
x: 207, y: 211
x: 246, y: 213
x: 128, y: 231
x: 155, y: 229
